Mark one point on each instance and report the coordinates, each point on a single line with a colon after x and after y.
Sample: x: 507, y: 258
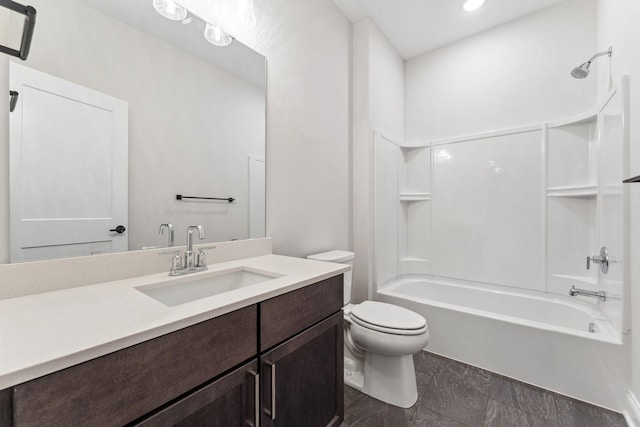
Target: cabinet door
x: 227, y: 402
x: 302, y: 379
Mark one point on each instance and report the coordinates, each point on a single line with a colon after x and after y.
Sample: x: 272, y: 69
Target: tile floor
x: 453, y: 394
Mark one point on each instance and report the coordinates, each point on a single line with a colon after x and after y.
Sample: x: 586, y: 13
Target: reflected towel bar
x: 226, y: 199
x: 633, y: 179
x: 27, y: 32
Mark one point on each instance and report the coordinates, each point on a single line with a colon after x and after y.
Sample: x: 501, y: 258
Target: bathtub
x: 541, y: 339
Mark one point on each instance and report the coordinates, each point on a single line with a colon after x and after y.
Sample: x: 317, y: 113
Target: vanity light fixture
x: 170, y: 10
x: 216, y: 36
x: 471, y: 5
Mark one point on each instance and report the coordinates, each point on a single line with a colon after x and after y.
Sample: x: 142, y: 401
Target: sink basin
x: 190, y: 288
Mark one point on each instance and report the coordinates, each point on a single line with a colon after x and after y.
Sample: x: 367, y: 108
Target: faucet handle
x: 202, y: 257
x: 176, y: 263
x: 602, y: 259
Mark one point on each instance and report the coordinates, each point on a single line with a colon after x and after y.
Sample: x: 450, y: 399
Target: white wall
x: 378, y: 93
x: 617, y: 27
x: 4, y: 142
x: 192, y: 126
x: 515, y: 74
x: 307, y: 45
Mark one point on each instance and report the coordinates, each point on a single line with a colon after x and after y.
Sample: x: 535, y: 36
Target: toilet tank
x: 341, y: 257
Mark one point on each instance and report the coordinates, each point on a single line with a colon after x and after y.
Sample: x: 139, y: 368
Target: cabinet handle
x: 273, y: 391
x: 256, y: 397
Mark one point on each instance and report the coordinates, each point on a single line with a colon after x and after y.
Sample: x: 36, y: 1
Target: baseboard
x: 632, y: 415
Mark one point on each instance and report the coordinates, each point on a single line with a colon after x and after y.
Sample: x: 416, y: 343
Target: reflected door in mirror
x: 68, y: 173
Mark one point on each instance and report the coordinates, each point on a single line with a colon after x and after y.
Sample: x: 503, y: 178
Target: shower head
x: 582, y: 71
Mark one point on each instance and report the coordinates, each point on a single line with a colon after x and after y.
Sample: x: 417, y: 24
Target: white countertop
x: 46, y: 332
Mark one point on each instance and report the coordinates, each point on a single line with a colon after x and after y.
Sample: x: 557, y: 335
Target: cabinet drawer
x: 286, y: 315
x: 229, y: 401
x: 120, y: 387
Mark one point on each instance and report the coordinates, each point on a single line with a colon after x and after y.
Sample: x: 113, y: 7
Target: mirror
x: 195, y: 124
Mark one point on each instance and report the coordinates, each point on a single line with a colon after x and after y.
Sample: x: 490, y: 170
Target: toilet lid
x: 388, y: 318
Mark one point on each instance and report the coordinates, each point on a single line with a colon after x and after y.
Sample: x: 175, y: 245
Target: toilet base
x: 391, y: 379
x: 353, y: 375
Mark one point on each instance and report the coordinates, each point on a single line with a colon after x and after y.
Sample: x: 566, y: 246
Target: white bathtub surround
x: 536, y: 338
x: 45, y: 332
x: 515, y: 213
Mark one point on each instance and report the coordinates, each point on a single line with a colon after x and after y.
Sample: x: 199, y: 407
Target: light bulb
x: 471, y: 5
x: 216, y: 36
x: 170, y: 10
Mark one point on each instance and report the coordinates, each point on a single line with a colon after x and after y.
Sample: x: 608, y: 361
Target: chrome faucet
x: 169, y: 227
x: 601, y: 295
x: 191, y: 264
x: 602, y: 259
x: 189, y: 258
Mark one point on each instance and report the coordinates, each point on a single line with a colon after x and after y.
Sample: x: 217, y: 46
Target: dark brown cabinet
x: 231, y: 401
x: 278, y: 362
x: 302, y: 381
x: 123, y: 386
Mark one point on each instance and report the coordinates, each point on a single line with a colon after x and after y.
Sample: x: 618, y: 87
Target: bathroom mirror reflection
x: 193, y: 124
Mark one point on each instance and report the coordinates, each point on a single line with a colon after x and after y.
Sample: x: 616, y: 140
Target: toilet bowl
x: 380, y: 340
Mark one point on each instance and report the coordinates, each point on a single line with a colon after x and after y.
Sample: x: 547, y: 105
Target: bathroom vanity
x: 267, y: 354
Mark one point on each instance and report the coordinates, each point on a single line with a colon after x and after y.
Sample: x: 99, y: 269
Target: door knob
x: 119, y: 229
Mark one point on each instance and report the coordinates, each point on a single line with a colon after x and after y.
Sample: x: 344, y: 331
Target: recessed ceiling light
x: 170, y: 10
x: 216, y: 36
x: 471, y: 5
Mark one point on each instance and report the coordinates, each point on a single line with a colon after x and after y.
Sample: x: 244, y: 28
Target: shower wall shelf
x: 573, y: 191
x: 414, y: 197
x: 410, y: 145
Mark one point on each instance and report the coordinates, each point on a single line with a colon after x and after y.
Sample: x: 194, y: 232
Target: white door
x: 613, y: 151
x: 68, y: 168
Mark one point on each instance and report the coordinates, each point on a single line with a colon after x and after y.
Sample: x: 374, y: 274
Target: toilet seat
x: 388, y: 318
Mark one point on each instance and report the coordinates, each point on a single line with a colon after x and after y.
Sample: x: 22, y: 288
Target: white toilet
x: 379, y: 342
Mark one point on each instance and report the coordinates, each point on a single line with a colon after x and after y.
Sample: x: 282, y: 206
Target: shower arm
x: 607, y: 52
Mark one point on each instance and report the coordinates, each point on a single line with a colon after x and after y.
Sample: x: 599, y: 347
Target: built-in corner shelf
x: 414, y: 197
x: 411, y: 146
x: 573, y: 191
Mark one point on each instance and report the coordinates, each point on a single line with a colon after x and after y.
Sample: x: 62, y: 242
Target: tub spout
x: 601, y: 295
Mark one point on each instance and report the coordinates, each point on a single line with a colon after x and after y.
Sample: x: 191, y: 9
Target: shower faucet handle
x: 602, y: 259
